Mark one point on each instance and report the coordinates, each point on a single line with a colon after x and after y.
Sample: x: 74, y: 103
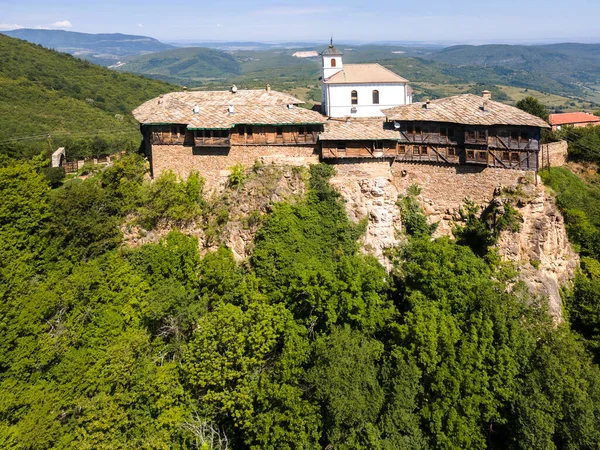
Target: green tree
x: 533, y: 106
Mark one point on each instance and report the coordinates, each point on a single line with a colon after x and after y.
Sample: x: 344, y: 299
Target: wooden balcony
x: 201, y: 141
x: 166, y: 138
x: 511, y: 143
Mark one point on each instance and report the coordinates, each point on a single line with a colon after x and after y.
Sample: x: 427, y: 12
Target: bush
x: 237, y: 175
x: 54, y: 175
x: 413, y: 216
x: 169, y: 197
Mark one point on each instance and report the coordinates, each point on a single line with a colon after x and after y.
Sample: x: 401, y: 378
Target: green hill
x: 183, y: 65
x: 105, y: 49
x: 83, y: 106
x: 564, y: 68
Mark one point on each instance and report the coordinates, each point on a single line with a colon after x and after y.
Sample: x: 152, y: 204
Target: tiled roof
x: 364, y: 73
x: 571, y: 118
x: 220, y: 117
x: 249, y: 107
x: 331, y: 51
x: 358, y: 129
x: 466, y: 109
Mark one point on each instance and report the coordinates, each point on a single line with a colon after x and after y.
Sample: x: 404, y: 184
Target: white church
x: 359, y: 90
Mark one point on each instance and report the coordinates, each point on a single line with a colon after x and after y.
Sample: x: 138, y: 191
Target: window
x: 471, y: 135
x: 524, y: 136
x: 402, y: 149
x: 279, y: 131
x: 443, y: 132
x: 482, y: 156
x: 416, y: 150
x: 505, y: 156
x: 249, y: 131
x: 423, y: 150
x: 514, y: 157
x: 470, y: 155
x: 354, y: 98
x: 410, y: 129
x: 418, y: 130
x: 514, y: 135
x: 376, y: 97
x: 333, y: 62
x: 378, y: 145
x: 241, y: 131
x: 309, y: 130
x: 452, y: 151
x: 341, y: 146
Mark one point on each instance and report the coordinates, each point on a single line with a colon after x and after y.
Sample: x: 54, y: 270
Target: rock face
x: 541, y: 249
x: 233, y: 216
x: 369, y: 193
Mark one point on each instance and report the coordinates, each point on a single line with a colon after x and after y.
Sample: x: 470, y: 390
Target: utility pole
x: 49, y: 151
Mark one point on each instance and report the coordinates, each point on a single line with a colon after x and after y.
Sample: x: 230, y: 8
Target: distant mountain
x: 563, y: 62
x: 183, y: 65
x: 84, y: 107
x: 105, y: 49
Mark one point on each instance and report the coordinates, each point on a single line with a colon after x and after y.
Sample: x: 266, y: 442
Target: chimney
x: 487, y: 95
x: 427, y: 104
x: 196, y: 109
x: 230, y: 109
x: 185, y: 89
x: 268, y: 88
x: 233, y: 89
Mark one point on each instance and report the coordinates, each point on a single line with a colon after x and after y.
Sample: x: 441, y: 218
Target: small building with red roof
x: 575, y: 119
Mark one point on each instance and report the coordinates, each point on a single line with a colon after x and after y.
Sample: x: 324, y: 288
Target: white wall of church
x: 329, y: 69
x: 340, y: 99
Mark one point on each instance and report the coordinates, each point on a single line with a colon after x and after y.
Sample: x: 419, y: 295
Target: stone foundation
x: 445, y: 188
x: 214, y: 163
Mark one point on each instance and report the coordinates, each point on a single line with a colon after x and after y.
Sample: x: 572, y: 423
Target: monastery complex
x: 367, y: 115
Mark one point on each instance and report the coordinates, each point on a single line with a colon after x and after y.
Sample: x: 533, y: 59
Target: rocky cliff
x: 540, y: 249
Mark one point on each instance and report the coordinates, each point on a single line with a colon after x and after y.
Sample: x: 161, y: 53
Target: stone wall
x: 445, y: 188
x: 557, y: 151
x: 214, y: 163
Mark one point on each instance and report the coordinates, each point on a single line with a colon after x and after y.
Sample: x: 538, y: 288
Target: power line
x: 36, y: 137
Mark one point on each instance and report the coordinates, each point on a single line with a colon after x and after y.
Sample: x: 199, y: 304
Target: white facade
x: 331, y: 64
x: 338, y: 99
x: 365, y: 98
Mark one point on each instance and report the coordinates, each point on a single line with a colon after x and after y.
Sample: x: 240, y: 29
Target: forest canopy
x: 307, y: 344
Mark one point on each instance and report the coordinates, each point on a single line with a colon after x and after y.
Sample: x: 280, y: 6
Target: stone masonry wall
x: 444, y: 188
x: 557, y: 151
x: 214, y: 163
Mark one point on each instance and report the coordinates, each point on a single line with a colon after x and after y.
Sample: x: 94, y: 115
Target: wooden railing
x: 200, y: 141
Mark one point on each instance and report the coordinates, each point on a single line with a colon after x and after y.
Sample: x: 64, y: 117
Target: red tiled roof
x: 570, y: 118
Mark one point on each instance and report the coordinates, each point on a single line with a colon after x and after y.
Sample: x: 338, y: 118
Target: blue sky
x: 473, y: 21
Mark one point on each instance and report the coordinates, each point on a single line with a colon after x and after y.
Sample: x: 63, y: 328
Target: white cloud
x: 140, y: 25
x: 219, y: 25
x: 62, y: 24
x: 10, y: 26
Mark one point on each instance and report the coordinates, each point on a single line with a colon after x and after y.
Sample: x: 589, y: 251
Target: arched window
x: 376, y: 97
x: 354, y: 98
x: 333, y: 62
